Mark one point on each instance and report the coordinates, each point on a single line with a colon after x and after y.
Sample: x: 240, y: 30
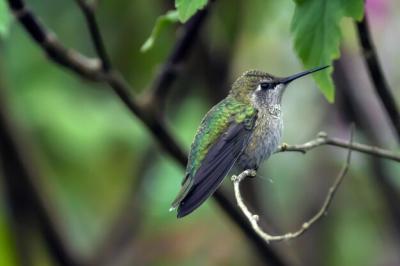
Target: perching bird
x: 242, y: 130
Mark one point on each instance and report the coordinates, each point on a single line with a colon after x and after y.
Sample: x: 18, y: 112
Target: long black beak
x: 289, y: 79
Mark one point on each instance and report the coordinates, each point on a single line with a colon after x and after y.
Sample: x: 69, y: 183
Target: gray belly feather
x: 263, y: 142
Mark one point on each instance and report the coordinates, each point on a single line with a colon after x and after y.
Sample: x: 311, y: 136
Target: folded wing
x: 220, y: 158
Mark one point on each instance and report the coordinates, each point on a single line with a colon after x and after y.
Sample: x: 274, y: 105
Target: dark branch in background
x: 56, y: 51
x: 86, y: 69
x: 376, y: 73
x: 24, y: 197
x: 353, y: 109
x: 155, y: 97
x: 387, y: 189
x: 88, y: 11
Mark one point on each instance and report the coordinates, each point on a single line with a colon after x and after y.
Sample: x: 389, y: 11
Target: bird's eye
x: 267, y: 86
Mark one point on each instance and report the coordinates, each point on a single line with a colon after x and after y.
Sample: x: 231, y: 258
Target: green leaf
x: 162, y: 21
x: 317, y: 35
x: 187, y: 8
x: 5, y: 18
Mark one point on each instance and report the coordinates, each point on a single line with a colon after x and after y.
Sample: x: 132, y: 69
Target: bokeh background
x: 111, y: 185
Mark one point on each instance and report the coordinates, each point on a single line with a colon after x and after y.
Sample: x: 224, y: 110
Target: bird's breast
x: 263, y: 142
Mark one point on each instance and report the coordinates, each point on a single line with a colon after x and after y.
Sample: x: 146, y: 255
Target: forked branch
x: 323, y: 139
x: 254, y: 218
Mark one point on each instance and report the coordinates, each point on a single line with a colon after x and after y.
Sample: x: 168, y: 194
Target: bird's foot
x: 243, y: 175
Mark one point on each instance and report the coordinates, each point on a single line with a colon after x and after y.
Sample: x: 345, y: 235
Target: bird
x: 241, y: 131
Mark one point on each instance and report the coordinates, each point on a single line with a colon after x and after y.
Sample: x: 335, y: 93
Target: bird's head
x: 263, y: 90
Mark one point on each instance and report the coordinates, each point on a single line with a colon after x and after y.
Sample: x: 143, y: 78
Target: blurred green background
x: 98, y: 162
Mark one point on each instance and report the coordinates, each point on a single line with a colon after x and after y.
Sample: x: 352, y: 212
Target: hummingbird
x: 242, y: 130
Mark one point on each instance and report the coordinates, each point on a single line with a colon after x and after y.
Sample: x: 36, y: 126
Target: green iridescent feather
x: 213, y: 125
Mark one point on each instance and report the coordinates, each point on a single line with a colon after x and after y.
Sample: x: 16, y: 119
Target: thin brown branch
x: 156, y: 126
x: 123, y: 89
x: 323, y: 139
x: 376, y: 73
x: 59, y: 54
x: 88, y: 10
x: 83, y: 66
x: 254, y: 218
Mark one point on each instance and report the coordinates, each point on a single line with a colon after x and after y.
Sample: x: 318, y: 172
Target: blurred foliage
x: 93, y: 155
x: 5, y: 18
x: 7, y: 244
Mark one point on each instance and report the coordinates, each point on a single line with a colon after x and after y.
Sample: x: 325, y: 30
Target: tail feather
x: 200, y: 192
x: 186, y: 186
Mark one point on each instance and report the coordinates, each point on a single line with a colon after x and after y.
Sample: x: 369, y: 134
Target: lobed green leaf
x: 317, y: 35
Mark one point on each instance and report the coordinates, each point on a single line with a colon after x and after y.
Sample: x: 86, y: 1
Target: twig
x: 97, y: 40
x: 323, y: 139
x: 376, y: 74
x: 254, y: 218
x: 84, y: 68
